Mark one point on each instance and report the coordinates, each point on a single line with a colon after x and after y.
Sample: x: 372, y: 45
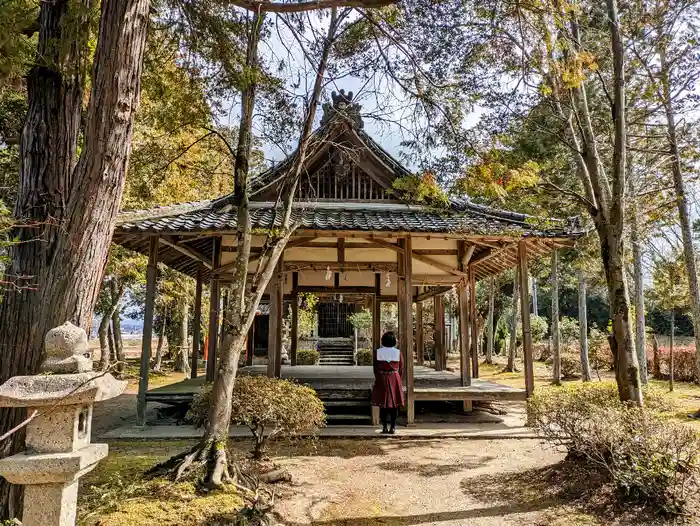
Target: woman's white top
x: 388, y: 354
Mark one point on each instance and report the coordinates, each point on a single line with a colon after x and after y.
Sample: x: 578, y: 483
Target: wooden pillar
x: 464, y: 360
x: 295, y: 320
x: 525, y: 313
x: 214, y: 300
x: 151, y: 274
x: 197, y: 327
x: 274, y: 336
x: 474, y: 325
x: 420, y: 347
x: 439, y: 334
x: 250, y: 345
x: 377, y: 313
x: 405, y: 299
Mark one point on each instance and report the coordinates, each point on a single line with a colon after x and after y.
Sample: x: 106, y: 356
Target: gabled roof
x: 197, y: 222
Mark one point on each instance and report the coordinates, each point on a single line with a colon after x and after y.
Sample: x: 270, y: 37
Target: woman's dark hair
x: 389, y: 340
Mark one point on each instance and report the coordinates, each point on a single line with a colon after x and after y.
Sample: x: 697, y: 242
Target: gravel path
x: 437, y: 482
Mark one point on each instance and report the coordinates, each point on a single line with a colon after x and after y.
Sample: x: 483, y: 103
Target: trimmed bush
x: 648, y: 458
x: 364, y: 356
x: 269, y: 407
x: 599, y: 352
x: 683, y: 362
x: 308, y: 356
x: 570, y: 365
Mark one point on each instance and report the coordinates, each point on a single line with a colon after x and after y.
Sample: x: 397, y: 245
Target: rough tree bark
x: 117, y: 293
x: 243, y: 296
x: 65, y: 205
x: 583, y: 327
x: 556, y: 335
x: 158, y: 359
x: 490, y: 322
x: 182, y: 358
x: 639, y: 322
x: 681, y: 201
x: 105, y: 355
x: 512, y: 345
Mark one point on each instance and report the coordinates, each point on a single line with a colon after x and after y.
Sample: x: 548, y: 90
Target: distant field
x: 132, y: 345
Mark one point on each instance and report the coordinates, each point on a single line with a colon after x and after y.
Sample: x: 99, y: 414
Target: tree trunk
x: 117, y: 293
x: 535, y: 309
x: 656, y: 372
x: 639, y: 323
x: 66, y: 209
x: 105, y: 356
x: 110, y: 341
x: 490, y: 322
x: 510, y: 366
x: 158, y: 360
x: 583, y: 327
x: 682, y: 202
x: 670, y: 350
x: 182, y: 358
x: 556, y: 335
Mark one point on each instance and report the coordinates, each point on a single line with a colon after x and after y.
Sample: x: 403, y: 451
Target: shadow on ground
x: 565, y: 484
x: 340, y: 448
x: 435, y: 468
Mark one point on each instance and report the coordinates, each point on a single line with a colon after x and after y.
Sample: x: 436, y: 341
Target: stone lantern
x: 58, y: 444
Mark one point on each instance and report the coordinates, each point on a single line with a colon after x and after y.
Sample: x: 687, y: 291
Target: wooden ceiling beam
x: 438, y: 265
x: 187, y: 251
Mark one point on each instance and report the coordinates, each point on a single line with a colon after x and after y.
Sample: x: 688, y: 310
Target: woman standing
x: 387, y: 392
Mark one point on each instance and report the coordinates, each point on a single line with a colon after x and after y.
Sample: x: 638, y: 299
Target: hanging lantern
x: 329, y: 274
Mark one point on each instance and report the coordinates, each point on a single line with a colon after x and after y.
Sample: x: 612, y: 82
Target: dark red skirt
x: 388, y: 389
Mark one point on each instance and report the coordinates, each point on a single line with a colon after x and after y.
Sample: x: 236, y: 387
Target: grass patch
x: 115, y: 493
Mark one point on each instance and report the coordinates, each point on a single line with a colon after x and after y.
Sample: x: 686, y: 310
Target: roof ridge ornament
x: 343, y: 107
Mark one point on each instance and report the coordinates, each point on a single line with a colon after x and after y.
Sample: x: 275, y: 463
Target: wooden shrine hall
x: 355, y: 238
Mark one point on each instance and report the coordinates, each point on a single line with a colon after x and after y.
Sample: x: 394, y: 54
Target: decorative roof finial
x: 343, y: 107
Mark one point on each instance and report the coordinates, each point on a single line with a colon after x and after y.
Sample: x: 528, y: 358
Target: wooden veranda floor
x: 428, y: 384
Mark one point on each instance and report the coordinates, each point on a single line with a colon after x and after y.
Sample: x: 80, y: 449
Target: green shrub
x: 599, y: 352
x: 269, y: 407
x: 364, y: 356
x: 648, y: 458
x: 569, y: 330
x: 308, y: 356
x: 538, y: 328
x: 570, y: 365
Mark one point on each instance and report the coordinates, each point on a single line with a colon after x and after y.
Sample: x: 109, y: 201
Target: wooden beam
x: 420, y: 347
x: 431, y: 293
x: 250, y: 345
x: 335, y: 266
x: 435, y: 251
x: 385, y: 244
x: 439, y: 332
x: 439, y: 265
x: 197, y: 322
x: 295, y: 320
x: 435, y: 279
x: 187, y: 251
x: 464, y: 254
x: 337, y: 290
x: 406, y: 301
x: 464, y: 358
x: 341, y: 250
x: 145, y: 366
x: 474, y: 325
x: 377, y: 313
x: 274, y: 335
x: 214, y: 300
x: 525, y: 318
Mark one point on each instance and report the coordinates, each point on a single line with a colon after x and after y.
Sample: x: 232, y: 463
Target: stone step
x: 347, y: 403
x: 367, y: 417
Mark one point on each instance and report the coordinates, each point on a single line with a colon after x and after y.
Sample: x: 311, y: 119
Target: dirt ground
x: 436, y: 482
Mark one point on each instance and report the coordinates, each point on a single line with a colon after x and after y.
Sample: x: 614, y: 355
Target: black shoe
x: 384, y: 431
x: 392, y: 431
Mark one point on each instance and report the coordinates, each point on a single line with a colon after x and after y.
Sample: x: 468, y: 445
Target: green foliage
x: 570, y: 365
x: 569, y: 330
x: 364, y: 356
x: 496, y: 176
x: 646, y: 457
x: 307, y: 313
x: 308, y: 356
x: 599, y: 351
x: 539, y: 328
x: 18, y: 19
x: 422, y: 189
x: 269, y: 407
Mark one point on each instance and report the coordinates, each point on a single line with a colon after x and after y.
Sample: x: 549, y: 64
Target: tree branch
x: 310, y: 5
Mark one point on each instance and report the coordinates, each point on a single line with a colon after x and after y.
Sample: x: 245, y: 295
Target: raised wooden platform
x: 428, y: 385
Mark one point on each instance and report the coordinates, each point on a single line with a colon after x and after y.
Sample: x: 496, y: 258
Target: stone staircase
x: 346, y: 406
x: 336, y: 351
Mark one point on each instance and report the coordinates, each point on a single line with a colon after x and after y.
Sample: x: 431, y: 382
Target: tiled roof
x: 465, y: 219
